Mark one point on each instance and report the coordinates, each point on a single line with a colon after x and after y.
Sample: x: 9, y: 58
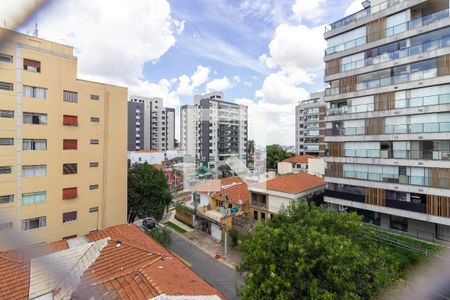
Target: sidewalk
x: 171, y: 217
x: 212, y: 247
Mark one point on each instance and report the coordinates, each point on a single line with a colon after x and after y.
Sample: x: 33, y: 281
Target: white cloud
x: 111, y: 38
x: 308, y: 9
x: 354, y: 7
x: 188, y: 84
x: 218, y: 84
x: 277, y: 121
x: 236, y: 78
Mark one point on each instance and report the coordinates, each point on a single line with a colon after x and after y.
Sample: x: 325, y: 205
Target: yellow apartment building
x: 63, y: 145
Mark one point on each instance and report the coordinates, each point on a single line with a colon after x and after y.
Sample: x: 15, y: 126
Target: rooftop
x: 292, y: 183
x: 233, y: 187
x: 299, y: 159
x: 119, y: 262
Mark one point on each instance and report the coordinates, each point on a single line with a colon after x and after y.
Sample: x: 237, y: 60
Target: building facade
x: 388, y: 125
x: 213, y: 130
x: 150, y: 124
x: 62, y: 140
x: 310, y: 126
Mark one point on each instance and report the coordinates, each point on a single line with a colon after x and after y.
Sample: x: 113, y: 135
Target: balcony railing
x: 361, y: 14
x: 399, y: 154
x: 435, y: 127
x: 385, y: 57
x: 399, y: 103
x: 259, y: 203
x: 344, y: 195
x: 404, y: 205
x: 390, y: 31
x: 396, y: 178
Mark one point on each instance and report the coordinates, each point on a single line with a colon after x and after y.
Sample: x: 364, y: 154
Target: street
x: 215, y: 273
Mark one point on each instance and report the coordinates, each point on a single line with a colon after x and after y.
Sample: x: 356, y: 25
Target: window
x: 70, y: 144
x: 6, y: 141
x: 93, y: 209
x: 93, y: 164
x: 6, y: 199
x: 399, y: 223
x: 263, y: 216
x: 34, y: 198
x: 34, y: 223
x: 5, y: 170
x: 34, y: 144
x: 70, y: 193
x: 70, y: 169
x: 95, y: 120
x: 31, y: 65
x: 34, y: 118
x: 95, y: 97
x: 6, y: 113
x: 34, y: 171
x: 70, y: 96
x: 6, y: 58
x: 6, y: 86
x: 255, y: 215
x: 93, y: 187
x: 34, y: 92
x: 69, y: 217
x: 70, y: 120
x: 6, y: 226
x: 94, y: 142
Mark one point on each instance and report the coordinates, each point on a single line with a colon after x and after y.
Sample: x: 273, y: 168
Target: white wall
x: 276, y: 202
x: 316, y: 166
x: 216, y: 232
x: 284, y: 168
x: 149, y: 157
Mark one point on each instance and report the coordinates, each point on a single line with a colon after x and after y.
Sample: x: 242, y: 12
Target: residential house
x: 302, y: 163
x: 268, y: 198
x: 120, y: 262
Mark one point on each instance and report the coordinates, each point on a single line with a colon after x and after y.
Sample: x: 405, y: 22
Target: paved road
x: 215, y: 273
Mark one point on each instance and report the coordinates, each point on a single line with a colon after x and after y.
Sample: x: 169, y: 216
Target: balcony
x: 404, y: 205
x: 435, y: 127
x: 398, y: 154
x: 344, y: 195
x: 390, y: 31
x: 361, y: 14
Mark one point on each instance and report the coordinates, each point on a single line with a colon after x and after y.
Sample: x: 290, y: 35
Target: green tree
x: 315, y: 254
x: 161, y: 235
x: 148, y: 192
x: 274, y: 154
x: 225, y: 170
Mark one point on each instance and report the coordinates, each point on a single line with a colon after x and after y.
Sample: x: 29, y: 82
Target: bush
x: 161, y: 235
x: 234, y: 235
x: 175, y: 227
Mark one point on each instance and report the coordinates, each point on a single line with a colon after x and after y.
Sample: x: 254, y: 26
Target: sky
x: 266, y: 54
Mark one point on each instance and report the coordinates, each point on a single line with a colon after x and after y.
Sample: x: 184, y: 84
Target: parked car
x: 149, y: 223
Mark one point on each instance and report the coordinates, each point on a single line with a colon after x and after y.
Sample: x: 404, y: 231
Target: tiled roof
x: 292, y: 183
x: 139, y: 268
x: 234, y: 187
x: 303, y: 159
x: 147, y: 151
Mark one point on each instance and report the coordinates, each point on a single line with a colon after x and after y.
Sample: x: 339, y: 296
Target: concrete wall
x: 316, y: 166
x: 284, y: 168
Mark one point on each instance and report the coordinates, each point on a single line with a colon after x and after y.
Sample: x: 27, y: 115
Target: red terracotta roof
x: 299, y: 159
x: 139, y: 269
x: 235, y: 189
x: 147, y: 151
x: 293, y: 183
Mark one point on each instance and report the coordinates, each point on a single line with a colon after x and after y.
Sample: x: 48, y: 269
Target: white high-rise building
x: 213, y: 130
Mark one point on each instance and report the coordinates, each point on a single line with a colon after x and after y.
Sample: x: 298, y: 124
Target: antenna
x: 36, y: 32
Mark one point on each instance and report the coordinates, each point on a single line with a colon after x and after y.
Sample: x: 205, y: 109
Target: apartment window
x: 6, y: 226
x: 93, y: 209
x: 70, y: 193
x: 6, y: 199
x: 70, y: 120
x: 70, y: 169
x: 255, y: 215
x: 34, y: 223
x: 34, y: 170
x: 34, y: 198
x: 70, y: 96
x: 93, y: 187
x: 6, y: 86
x: 34, y: 144
x: 70, y: 144
x: 5, y: 170
x: 6, y: 141
x: 34, y: 92
x: 6, y: 113
x: 95, y: 120
x: 69, y: 217
x: 31, y: 65
x: 34, y: 118
x: 6, y: 58
x: 93, y: 164
x: 95, y: 97
x: 94, y: 142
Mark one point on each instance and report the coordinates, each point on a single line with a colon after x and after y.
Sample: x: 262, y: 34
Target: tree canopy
x: 148, y: 192
x: 274, y: 154
x: 315, y: 254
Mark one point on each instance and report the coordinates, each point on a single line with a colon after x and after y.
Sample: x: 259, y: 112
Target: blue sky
x: 266, y: 54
